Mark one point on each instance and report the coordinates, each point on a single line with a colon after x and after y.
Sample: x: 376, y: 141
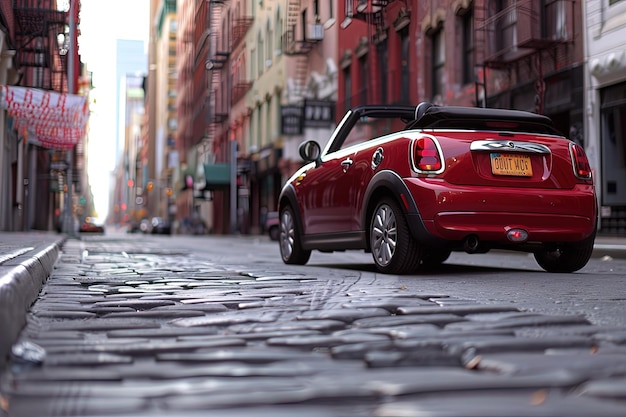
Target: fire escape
x: 219, y: 53
x: 241, y: 85
x: 371, y: 12
x: 515, y: 38
x: 300, y: 48
x: 41, y: 59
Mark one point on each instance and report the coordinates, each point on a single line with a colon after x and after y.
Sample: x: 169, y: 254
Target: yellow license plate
x: 511, y: 164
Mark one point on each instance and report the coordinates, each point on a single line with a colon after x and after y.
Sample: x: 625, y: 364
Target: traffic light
x: 131, y: 183
x: 149, y: 186
x: 169, y: 192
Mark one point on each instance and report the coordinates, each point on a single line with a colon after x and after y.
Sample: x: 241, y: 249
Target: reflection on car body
x: 411, y: 184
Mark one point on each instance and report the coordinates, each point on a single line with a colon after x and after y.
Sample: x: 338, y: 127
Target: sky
x: 102, y: 23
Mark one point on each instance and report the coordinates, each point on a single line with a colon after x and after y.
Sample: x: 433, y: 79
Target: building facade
x: 256, y: 78
x: 272, y: 84
x: 40, y: 180
x: 605, y: 107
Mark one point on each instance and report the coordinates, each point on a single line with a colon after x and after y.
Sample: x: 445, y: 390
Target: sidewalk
x: 27, y: 259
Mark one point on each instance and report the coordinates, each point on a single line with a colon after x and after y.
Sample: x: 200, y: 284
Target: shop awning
x: 49, y: 119
x: 216, y: 176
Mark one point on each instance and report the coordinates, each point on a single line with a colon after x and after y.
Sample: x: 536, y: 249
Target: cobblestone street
x: 130, y: 328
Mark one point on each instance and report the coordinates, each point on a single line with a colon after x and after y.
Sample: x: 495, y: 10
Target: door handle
x: 346, y: 164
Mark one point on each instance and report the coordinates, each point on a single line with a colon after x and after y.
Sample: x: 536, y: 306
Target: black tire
x: 274, y: 233
x: 434, y: 257
x: 566, y: 258
x: 290, y: 239
x: 393, y: 248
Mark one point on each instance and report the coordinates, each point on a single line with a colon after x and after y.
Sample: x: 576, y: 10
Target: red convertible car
x: 411, y: 184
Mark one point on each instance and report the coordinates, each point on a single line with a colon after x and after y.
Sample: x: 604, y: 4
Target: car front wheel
x: 290, y: 239
x: 568, y: 258
x: 393, y: 248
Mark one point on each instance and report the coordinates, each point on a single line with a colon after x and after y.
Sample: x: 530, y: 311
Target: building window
x: 259, y: 48
x: 253, y: 61
x: 438, y: 63
x: 278, y: 34
x: 506, y: 26
x: 467, y: 66
x: 347, y: 88
x: 363, y: 81
x: 270, y: 53
x: 349, y: 10
x: 383, y: 69
x: 405, y: 65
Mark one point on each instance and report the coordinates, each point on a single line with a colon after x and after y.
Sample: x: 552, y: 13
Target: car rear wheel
x: 568, y: 258
x: 393, y: 248
x: 290, y: 239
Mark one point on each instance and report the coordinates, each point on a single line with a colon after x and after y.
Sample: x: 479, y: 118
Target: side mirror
x: 310, y: 151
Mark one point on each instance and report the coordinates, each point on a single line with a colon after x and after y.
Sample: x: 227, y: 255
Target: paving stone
x: 583, y: 366
x: 498, y: 403
x: 157, y: 314
x: 428, y: 380
x: 73, y: 402
x: 515, y: 322
x: 422, y: 358
x: 346, y: 315
x: 64, y: 314
x: 604, y: 388
x: 163, y: 332
x: 226, y: 319
x: 460, y: 310
x: 618, y: 337
x: 102, y: 324
x: 283, y: 326
x: 519, y: 344
x: 86, y: 359
x: 358, y: 351
x: 250, y: 356
x: 317, y: 341
x: 435, y: 319
x: 390, y: 304
x: 261, y: 336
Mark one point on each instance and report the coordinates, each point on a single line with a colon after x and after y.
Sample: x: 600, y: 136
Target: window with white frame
x: 269, y: 35
x: 259, y: 48
x: 278, y: 45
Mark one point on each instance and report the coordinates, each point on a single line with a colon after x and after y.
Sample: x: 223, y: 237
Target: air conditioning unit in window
x: 316, y: 32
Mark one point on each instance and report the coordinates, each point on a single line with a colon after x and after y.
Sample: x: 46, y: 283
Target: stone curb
x: 21, y: 280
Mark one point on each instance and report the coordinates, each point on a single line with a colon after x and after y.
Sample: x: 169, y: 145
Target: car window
x: 367, y: 128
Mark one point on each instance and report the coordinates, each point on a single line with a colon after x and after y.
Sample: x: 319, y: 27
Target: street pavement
x: 97, y: 327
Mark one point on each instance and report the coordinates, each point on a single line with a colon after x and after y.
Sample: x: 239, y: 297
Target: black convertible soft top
x: 475, y: 118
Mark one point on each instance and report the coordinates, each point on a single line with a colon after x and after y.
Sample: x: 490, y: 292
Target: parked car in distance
x: 160, y: 227
x: 89, y: 225
x: 272, y: 226
x: 411, y: 184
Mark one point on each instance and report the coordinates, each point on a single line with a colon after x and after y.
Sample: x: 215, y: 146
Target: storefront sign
x: 291, y: 120
x: 319, y: 113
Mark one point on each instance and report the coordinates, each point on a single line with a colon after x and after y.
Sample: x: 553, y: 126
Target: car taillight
x: 426, y: 155
x: 580, y: 163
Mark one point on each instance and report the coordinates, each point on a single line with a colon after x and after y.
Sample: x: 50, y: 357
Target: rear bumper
x: 451, y: 213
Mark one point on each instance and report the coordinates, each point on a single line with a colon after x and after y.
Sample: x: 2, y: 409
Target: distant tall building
x: 132, y: 61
